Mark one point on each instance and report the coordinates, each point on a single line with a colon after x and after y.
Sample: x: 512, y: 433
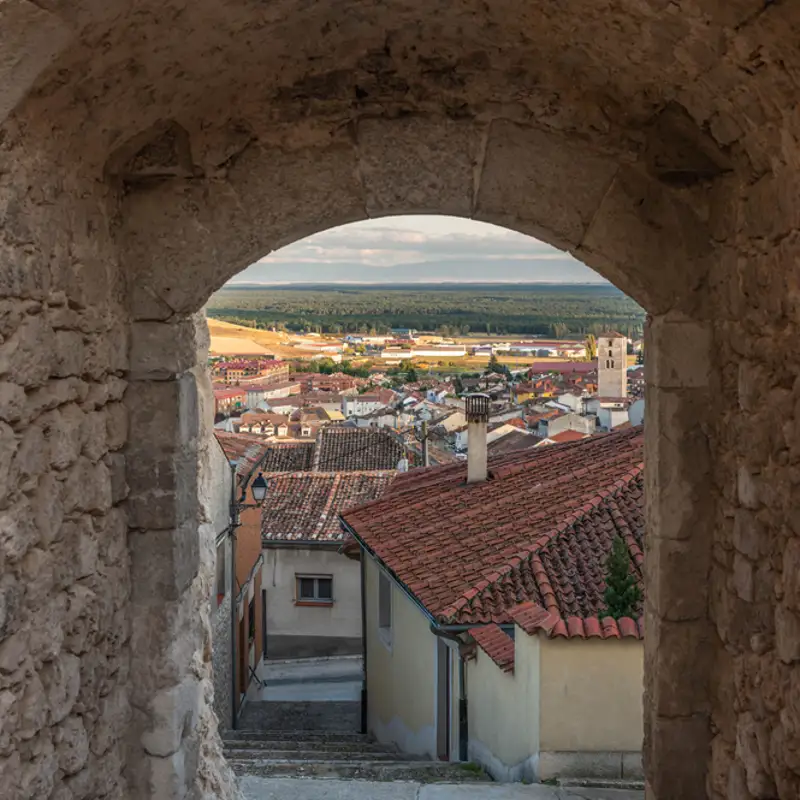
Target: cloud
x: 443, y: 246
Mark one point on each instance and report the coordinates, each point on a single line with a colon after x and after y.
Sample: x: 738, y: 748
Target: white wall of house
x: 591, y: 721
x: 575, y: 402
x: 609, y: 418
x: 301, y: 631
x: 569, y: 422
x: 358, y: 406
x: 503, y: 712
x: 636, y: 412
x: 401, y: 672
x: 572, y: 708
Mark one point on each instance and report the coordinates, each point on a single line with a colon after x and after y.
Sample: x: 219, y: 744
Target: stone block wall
x: 64, y: 565
x: 222, y: 664
x: 754, y: 575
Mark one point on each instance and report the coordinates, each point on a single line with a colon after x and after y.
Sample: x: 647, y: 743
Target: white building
x: 361, y: 404
x: 313, y: 592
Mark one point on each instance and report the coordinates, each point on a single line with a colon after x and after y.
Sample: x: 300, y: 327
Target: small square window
x: 314, y: 589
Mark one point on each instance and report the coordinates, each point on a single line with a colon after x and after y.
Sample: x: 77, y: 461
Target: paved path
x: 309, y: 789
x: 310, y: 679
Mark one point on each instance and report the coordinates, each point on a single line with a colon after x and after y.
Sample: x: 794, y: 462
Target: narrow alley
x: 298, y: 739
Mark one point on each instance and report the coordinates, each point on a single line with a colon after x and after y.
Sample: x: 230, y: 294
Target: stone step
x: 368, y: 770
x: 622, y: 784
x: 267, y: 735
x: 319, y: 746
x: 312, y: 756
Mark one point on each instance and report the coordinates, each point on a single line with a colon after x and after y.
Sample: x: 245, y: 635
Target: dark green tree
x: 622, y: 596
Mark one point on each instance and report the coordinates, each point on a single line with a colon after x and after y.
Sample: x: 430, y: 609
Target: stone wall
x: 755, y: 567
x: 656, y: 141
x: 222, y: 664
x: 64, y: 567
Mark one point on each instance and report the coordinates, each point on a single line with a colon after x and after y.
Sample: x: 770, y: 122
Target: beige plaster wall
x: 591, y: 695
x: 504, y: 711
x: 401, y: 679
x: 286, y: 618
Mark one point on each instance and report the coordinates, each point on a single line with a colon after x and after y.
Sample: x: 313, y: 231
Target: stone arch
x: 150, y: 150
x: 612, y: 215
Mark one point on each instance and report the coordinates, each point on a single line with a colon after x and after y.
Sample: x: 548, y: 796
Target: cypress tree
x: 622, y: 595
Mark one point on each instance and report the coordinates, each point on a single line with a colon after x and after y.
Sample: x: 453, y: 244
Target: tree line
x: 547, y: 310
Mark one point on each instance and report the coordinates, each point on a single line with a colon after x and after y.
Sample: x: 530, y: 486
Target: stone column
x: 174, y: 749
x: 681, y: 502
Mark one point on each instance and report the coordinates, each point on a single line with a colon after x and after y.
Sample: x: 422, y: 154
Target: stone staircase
x: 311, y: 742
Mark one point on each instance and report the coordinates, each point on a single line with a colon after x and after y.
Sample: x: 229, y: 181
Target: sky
x: 417, y: 249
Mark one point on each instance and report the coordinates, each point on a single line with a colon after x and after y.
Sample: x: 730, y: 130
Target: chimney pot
x: 477, y: 412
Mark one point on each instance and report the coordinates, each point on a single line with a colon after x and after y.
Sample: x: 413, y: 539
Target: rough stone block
x: 524, y: 169
x: 679, y: 494
x: 31, y: 39
x: 72, y: 745
x: 418, y: 164
x: 68, y: 354
x: 61, y: 680
x: 175, y: 712
x: 787, y: 634
x: 163, y: 563
x: 678, y: 576
x: 678, y: 354
x: 681, y: 649
x: 161, y: 350
x: 12, y: 402
x: 27, y: 357
x: 676, y: 766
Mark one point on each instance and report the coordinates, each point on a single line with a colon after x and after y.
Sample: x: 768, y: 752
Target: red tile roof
x: 538, y: 530
x: 247, y: 450
x: 346, y: 449
x: 564, y: 367
x: 567, y: 436
x: 497, y: 644
x: 305, y: 506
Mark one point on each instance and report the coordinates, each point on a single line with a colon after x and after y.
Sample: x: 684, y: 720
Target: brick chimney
x: 477, y: 408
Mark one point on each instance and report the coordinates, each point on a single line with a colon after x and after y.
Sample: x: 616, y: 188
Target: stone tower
x: 612, y: 365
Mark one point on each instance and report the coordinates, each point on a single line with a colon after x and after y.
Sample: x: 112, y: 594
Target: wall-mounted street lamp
x: 259, y: 489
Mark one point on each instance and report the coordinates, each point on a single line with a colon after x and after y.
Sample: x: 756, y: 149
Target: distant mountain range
x: 553, y: 270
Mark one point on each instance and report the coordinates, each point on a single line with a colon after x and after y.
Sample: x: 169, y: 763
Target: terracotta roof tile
x: 343, y: 449
x: 497, y: 644
x: 305, y: 506
x: 538, y: 530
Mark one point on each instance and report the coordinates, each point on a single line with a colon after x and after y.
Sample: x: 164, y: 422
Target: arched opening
x: 148, y: 154
x: 408, y: 329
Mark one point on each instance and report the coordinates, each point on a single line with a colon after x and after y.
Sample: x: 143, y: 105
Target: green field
x: 560, y: 310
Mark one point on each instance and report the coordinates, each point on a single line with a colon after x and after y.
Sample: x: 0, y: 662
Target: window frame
x: 385, y: 610
x: 317, y: 599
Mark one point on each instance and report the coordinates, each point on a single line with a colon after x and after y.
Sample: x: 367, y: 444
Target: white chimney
x: 477, y: 408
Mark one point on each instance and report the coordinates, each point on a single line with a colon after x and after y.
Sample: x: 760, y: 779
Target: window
x: 610, y: 354
x: 251, y: 621
x: 385, y: 609
x: 314, y: 589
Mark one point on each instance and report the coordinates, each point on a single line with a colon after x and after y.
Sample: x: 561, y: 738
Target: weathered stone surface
x: 137, y: 191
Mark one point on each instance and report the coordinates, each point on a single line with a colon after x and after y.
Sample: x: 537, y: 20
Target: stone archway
x: 149, y: 153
